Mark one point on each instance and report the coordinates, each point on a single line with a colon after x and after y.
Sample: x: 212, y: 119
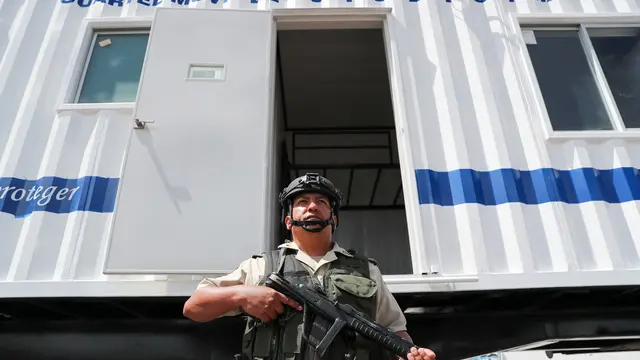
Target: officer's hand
x: 264, y: 303
x: 421, y: 354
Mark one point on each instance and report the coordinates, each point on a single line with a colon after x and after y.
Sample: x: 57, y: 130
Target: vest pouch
x: 292, y: 337
x: 360, y: 292
x: 247, y: 339
x: 358, y: 286
x: 262, y: 340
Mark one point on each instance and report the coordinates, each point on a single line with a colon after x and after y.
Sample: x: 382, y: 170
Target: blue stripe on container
x: 22, y: 197
x: 532, y: 187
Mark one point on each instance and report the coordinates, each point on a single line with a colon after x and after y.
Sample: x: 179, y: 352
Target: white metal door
x: 192, y: 194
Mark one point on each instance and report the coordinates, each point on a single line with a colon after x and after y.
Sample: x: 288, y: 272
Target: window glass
x: 567, y: 84
x: 618, y: 51
x: 113, y: 72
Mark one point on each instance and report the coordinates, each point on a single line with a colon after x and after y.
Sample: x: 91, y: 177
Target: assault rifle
x: 342, y: 315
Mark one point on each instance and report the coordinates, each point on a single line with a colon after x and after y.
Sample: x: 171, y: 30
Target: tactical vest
x: 288, y: 337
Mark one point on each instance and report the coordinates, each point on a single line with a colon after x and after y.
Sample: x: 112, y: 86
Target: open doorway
x: 334, y: 116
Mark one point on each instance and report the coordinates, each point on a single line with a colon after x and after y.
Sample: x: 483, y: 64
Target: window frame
x: 80, y: 56
x: 89, y: 53
x: 582, y: 25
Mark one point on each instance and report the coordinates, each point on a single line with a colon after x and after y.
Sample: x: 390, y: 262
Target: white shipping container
x: 481, y: 145
x: 494, y: 198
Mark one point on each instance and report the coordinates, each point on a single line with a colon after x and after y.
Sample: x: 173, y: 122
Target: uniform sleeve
x: 247, y: 273
x: 389, y: 313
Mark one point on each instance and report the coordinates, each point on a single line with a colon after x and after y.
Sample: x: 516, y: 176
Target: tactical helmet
x: 311, y: 182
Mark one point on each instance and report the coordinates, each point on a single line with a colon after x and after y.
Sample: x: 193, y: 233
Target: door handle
x: 141, y: 124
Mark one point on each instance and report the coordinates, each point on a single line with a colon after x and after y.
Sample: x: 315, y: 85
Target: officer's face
x: 311, y: 207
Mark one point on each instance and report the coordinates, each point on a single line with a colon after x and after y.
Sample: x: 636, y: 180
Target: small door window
x: 206, y: 72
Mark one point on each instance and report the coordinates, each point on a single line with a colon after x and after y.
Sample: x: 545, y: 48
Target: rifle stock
x: 343, y: 315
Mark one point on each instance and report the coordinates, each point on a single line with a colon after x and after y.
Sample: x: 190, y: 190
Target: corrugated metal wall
x: 477, y: 122
x: 465, y: 109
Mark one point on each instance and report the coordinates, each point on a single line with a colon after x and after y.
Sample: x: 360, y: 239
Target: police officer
x: 278, y: 328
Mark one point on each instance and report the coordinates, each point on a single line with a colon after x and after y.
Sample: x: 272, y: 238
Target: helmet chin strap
x: 306, y: 224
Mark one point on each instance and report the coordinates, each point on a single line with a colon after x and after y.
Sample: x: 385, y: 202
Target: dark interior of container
x: 335, y: 117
